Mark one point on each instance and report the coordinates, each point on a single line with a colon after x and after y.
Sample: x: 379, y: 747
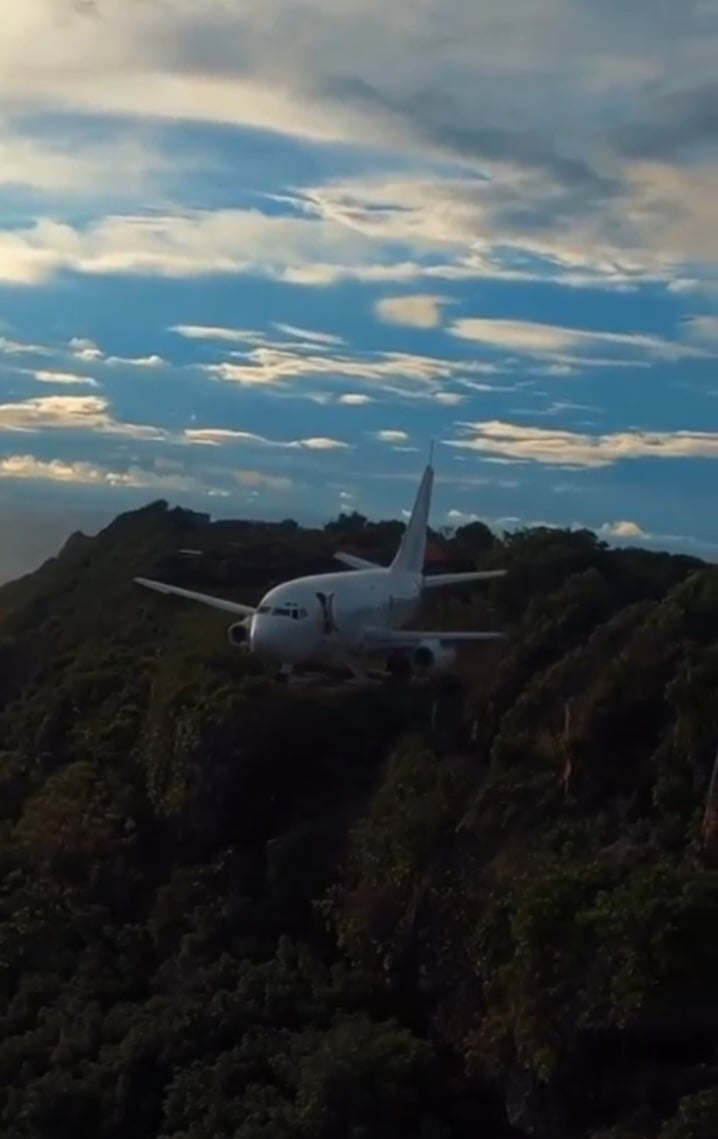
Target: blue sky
x: 254, y: 257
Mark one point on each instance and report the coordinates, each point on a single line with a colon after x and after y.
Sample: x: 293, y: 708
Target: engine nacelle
x: 238, y: 636
x: 432, y: 656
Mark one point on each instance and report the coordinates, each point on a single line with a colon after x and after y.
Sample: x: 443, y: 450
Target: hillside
x: 234, y: 911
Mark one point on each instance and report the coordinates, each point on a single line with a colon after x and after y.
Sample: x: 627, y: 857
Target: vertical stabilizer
x: 410, y: 555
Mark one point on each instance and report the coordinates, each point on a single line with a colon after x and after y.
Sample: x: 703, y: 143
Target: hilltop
x: 232, y: 911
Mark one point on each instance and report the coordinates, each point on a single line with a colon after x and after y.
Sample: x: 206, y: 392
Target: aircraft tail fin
x: 409, y: 557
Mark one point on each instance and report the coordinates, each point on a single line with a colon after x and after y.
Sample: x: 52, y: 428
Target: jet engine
x: 432, y: 656
x: 238, y: 636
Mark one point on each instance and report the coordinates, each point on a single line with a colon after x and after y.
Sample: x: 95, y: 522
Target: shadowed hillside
x: 234, y: 911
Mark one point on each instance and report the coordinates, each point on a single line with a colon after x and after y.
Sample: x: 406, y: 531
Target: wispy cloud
x: 152, y: 361
x: 542, y: 445
x: 219, y: 436
x: 93, y: 414
x: 48, y: 376
x: 10, y: 347
x: 536, y: 339
x: 310, y: 335
x: 266, y: 361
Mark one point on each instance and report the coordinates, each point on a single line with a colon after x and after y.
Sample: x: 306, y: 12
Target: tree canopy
x: 234, y: 911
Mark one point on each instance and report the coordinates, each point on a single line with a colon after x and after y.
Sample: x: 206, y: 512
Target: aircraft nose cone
x: 265, y: 640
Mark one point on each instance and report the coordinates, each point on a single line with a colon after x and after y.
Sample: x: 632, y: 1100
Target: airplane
x: 332, y: 621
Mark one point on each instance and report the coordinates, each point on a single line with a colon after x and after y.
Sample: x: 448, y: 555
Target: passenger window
x: 264, y: 609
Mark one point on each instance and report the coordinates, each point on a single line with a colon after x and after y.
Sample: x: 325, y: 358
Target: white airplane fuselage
x: 380, y: 598
x: 333, y: 619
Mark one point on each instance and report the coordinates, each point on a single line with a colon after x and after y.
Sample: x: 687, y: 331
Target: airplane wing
x: 407, y: 638
x: 436, y: 580
x: 354, y: 562
x: 203, y: 598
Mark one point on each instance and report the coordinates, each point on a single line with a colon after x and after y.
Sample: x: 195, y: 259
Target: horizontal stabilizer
x: 407, y: 638
x: 354, y: 562
x: 436, y: 580
x: 203, y: 598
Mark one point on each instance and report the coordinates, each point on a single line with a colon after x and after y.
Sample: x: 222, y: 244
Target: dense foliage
x: 234, y: 911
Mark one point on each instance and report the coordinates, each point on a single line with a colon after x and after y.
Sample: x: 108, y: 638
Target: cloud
x: 9, y: 347
x: 162, y: 476
x: 283, y: 74
x: 218, y: 436
x: 420, y: 310
x: 620, y: 532
x: 85, y: 349
x: 623, y: 530
x: 322, y: 443
x: 152, y: 361
x: 211, y: 332
x: 92, y: 414
x: 631, y: 531
x: 70, y: 413
x: 194, y: 243
x: 309, y: 335
x: 355, y: 399
x: 255, y: 479
x: 48, y: 376
x: 272, y: 364
x: 704, y: 329
x: 35, y: 156
x: 390, y: 436
x: 28, y: 467
x: 437, y: 229
x: 265, y: 360
x: 601, y: 170
x: 460, y: 517
x: 507, y: 224
x: 517, y: 443
x: 537, y: 339
x: 449, y: 399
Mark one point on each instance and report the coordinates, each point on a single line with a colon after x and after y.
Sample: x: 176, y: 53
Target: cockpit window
x: 291, y: 609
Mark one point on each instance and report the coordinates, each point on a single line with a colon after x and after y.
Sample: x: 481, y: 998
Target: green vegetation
x: 234, y: 911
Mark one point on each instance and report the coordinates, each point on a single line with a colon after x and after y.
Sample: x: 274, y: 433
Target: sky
x: 255, y: 256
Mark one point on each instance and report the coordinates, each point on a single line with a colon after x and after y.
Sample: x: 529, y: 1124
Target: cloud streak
x: 48, y: 376
x: 265, y: 361
x: 532, y: 338
x: 566, y: 448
